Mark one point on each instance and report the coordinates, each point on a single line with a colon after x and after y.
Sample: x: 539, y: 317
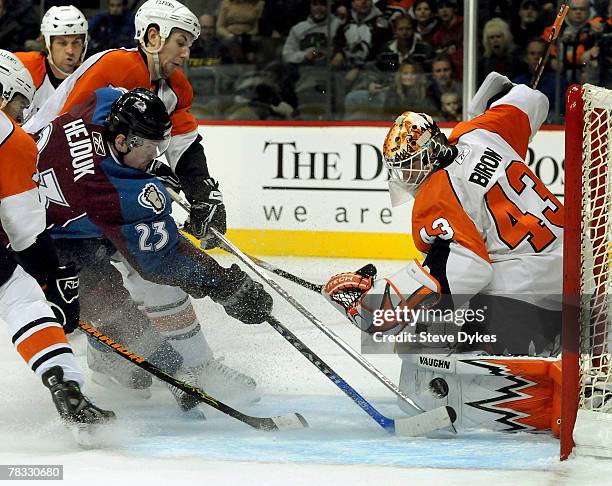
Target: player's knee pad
x: 168, y: 308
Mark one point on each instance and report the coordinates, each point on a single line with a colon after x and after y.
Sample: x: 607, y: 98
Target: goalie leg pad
x: 494, y: 392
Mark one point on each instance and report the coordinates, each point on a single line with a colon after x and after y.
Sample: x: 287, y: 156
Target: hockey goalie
x: 477, y: 324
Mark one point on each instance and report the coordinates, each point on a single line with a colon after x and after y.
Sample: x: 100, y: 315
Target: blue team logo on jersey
x: 151, y: 197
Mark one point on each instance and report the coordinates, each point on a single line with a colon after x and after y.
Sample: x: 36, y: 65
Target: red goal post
x: 586, y: 408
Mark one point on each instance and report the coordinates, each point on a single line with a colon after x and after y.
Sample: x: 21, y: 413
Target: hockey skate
x: 76, y: 411
x: 112, y: 371
x: 218, y: 380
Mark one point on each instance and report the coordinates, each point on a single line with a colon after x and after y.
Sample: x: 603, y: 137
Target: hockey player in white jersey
x: 491, y: 235
x: 35, y: 330
x: 64, y: 30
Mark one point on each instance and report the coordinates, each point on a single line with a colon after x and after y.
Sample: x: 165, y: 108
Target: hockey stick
x: 288, y: 421
x: 425, y: 422
x: 318, y: 288
x: 421, y: 424
x: 323, y: 328
x: 554, y: 33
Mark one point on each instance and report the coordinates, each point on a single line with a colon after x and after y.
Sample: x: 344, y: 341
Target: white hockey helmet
x: 67, y: 20
x: 14, y: 79
x: 168, y: 15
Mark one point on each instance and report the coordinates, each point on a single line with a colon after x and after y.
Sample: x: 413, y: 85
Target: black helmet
x: 138, y: 114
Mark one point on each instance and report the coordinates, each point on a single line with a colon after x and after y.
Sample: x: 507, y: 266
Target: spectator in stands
x: 238, y: 26
x: 499, y: 50
x: 598, y: 59
x: 238, y: 17
x: 307, y: 41
x: 208, y: 49
x: 548, y: 80
x: 392, y: 8
x: 451, y: 107
x: 279, y: 16
x: 410, y: 91
x: 444, y: 79
x: 574, y: 38
x: 449, y: 36
x: 111, y: 29
x: 527, y: 24
x: 406, y: 45
x: 361, y: 37
x: 426, y: 22
x: 18, y: 22
x: 307, y: 49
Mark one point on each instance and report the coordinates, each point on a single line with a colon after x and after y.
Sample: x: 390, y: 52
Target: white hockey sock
x: 191, y: 344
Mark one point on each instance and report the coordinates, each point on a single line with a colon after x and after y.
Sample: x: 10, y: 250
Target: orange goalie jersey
x: 501, y: 228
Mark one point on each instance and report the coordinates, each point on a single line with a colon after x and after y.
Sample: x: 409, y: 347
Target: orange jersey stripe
x: 41, y: 340
x: 509, y: 122
x: 35, y: 63
x: 441, y: 202
x: 18, y: 156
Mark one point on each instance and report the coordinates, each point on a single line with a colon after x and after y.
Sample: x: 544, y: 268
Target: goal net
x: 586, y: 418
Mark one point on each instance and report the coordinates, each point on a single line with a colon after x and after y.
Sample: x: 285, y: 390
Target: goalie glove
x: 207, y: 212
x: 62, y: 293
x: 367, y: 301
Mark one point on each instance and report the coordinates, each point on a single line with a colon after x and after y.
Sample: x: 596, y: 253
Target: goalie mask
x: 413, y: 149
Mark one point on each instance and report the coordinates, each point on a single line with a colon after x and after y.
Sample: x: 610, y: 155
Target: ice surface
x: 154, y: 443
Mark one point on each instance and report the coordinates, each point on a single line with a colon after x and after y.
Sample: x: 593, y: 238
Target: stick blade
x: 290, y: 421
x: 425, y: 423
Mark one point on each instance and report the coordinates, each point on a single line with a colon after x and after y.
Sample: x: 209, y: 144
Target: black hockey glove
x: 208, y: 211
x: 242, y: 298
x: 164, y: 173
x: 62, y: 292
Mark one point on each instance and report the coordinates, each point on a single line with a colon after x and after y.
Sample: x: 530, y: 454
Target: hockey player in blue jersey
x: 103, y: 204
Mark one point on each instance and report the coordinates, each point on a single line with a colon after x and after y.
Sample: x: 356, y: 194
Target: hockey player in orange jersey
x: 491, y: 234
x: 64, y: 30
x: 35, y: 329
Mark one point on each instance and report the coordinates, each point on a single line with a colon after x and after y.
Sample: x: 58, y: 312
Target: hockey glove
x: 242, y: 298
x: 206, y: 212
x: 346, y: 290
x: 164, y: 173
x: 62, y: 292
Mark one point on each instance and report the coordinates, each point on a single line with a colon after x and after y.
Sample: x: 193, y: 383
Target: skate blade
x: 108, y: 382
x: 85, y: 435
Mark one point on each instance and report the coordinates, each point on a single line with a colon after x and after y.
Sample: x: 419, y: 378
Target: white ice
x: 154, y: 443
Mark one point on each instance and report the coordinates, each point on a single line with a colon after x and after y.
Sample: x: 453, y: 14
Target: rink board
x: 315, y: 190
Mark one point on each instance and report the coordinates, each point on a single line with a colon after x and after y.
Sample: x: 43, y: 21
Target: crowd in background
x: 363, y: 60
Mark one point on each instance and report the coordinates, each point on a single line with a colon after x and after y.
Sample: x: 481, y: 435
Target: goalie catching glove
x: 364, y: 299
x: 242, y: 298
